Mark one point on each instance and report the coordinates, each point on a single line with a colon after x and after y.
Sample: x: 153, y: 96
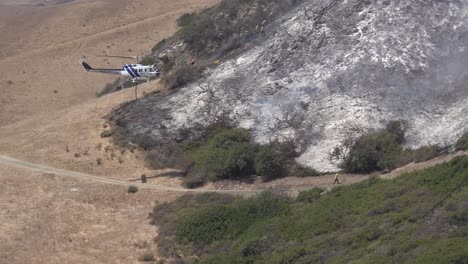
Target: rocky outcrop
x: 328, y: 69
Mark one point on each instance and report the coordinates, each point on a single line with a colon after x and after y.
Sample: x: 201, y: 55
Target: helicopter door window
x: 140, y: 70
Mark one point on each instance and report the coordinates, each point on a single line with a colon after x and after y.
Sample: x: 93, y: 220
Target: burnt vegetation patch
x: 213, y: 34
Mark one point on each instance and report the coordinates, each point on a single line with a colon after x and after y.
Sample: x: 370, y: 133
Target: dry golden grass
x: 41, y: 48
x: 49, y: 115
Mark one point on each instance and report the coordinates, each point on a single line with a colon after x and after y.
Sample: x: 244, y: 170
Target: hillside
x: 324, y: 71
x: 49, y: 114
x: 60, y: 35
x: 375, y: 221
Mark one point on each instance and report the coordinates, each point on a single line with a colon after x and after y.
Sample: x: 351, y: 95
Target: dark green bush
x: 397, y: 128
x: 256, y: 247
x: 132, y: 189
x: 228, y: 221
x: 219, y: 29
x: 185, y: 19
x: 229, y: 153
x: 200, y: 30
x: 269, y: 163
x: 462, y: 142
x: 373, y: 151
x: 147, y: 257
x: 194, y: 180
x: 382, y: 150
x: 147, y: 60
x: 159, y: 45
x: 205, y: 226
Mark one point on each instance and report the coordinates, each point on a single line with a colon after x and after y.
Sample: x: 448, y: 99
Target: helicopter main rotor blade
x: 118, y: 56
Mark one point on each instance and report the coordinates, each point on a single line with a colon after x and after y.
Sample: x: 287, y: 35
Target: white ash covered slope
x: 326, y: 69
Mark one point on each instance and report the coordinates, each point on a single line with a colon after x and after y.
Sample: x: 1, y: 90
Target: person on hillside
x: 336, y: 179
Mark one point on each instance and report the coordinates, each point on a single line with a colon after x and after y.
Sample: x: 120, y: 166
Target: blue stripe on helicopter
x: 135, y: 71
x: 129, y: 71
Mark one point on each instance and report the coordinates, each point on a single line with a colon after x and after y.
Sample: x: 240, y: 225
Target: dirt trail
x: 66, y: 173
x: 292, y: 185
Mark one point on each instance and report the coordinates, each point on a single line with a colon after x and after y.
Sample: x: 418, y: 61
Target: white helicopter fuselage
x: 136, y: 72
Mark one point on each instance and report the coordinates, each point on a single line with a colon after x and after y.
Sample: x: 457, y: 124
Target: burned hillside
x: 327, y: 69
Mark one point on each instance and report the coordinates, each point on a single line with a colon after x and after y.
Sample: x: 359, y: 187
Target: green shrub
x: 106, y: 133
x: 221, y: 28
x: 193, y: 180
x: 199, y: 31
x: 205, y: 226
x: 132, y: 189
x: 397, y: 128
x: 227, y: 154
x: 217, y: 222
x: 379, y: 150
x: 147, y: 257
x: 147, y: 60
x: 185, y: 19
x: 462, y: 142
x: 269, y: 163
x: 159, y: 45
x: 373, y: 151
x: 256, y: 247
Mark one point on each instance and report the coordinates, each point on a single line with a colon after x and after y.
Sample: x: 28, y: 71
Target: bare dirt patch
x: 51, y: 219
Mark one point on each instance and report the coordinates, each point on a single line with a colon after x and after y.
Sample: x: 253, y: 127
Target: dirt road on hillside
x: 78, y: 175
x: 291, y: 185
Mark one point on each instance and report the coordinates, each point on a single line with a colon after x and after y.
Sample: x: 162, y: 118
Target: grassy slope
x: 369, y: 222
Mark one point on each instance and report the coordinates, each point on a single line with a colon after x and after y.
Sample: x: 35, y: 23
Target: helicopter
x: 136, y: 72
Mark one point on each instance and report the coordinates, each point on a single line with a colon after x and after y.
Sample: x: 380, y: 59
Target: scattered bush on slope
x: 371, y: 221
x: 214, y: 33
x: 462, y: 142
x: 382, y: 150
x: 231, y: 153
